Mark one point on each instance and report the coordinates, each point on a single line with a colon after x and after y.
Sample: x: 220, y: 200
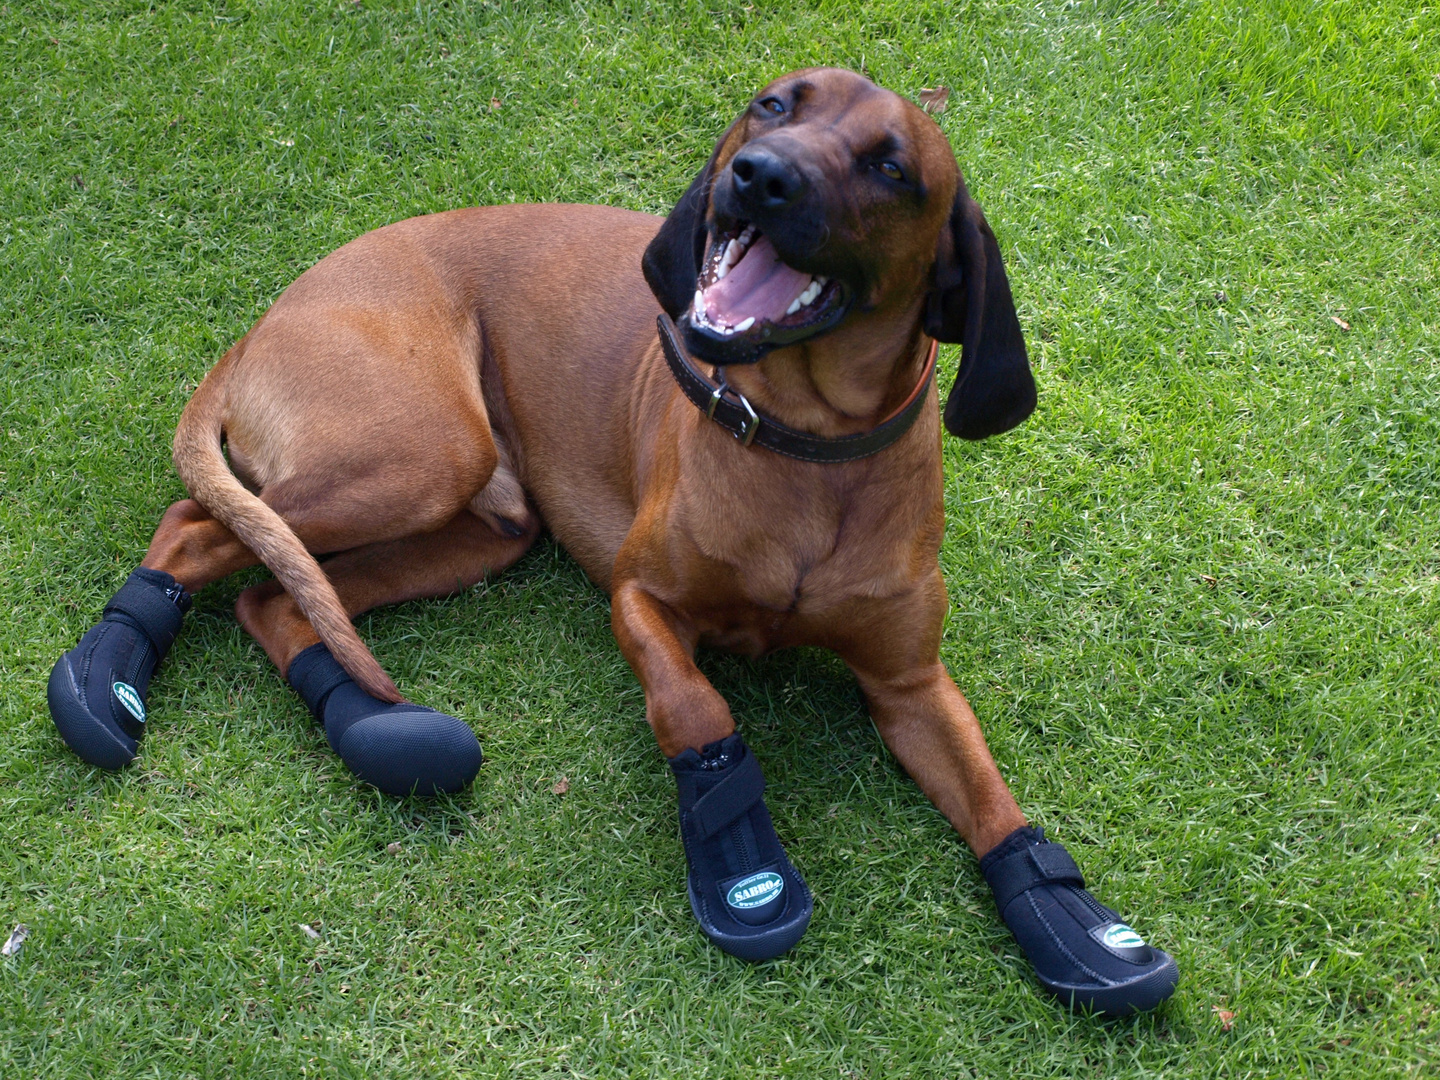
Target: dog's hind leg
x: 400, y: 748
x: 439, y: 563
x: 194, y: 548
x: 97, y: 690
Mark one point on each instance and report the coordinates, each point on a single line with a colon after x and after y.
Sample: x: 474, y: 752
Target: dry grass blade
x: 935, y: 101
x: 16, y: 941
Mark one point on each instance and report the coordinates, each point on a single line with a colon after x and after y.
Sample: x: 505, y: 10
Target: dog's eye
x: 773, y: 105
x: 891, y: 170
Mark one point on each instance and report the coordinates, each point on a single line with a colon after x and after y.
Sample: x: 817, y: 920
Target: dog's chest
x: 778, y: 561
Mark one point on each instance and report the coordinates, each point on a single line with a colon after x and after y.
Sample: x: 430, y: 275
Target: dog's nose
x: 764, y: 180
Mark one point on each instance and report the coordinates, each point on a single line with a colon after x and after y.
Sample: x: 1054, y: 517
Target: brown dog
x: 423, y: 399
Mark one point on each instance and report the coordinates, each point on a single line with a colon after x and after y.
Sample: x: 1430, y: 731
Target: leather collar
x: 726, y: 406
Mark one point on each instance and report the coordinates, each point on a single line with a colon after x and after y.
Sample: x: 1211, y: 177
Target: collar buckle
x: 751, y: 425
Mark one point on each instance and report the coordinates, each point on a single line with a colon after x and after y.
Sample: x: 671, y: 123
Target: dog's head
x: 833, y: 207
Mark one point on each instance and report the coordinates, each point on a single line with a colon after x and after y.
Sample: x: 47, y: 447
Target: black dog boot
x: 402, y: 749
x: 97, y: 689
x: 745, y: 894
x: 1081, y: 951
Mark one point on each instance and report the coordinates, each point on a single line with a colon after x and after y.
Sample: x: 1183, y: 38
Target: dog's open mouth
x: 746, y: 295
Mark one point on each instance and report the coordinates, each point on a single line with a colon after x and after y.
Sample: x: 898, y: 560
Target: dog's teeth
x: 749, y: 322
x: 733, y: 253
x: 699, y: 306
x: 806, y: 298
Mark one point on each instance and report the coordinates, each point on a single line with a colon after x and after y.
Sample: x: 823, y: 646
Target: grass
x: 1194, y: 598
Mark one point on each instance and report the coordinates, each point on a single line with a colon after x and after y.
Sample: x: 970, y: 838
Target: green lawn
x: 1194, y: 598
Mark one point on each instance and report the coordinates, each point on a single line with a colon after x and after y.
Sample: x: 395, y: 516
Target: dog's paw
x: 745, y: 894
x: 1081, y: 950
x: 402, y: 749
x: 408, y: 750
x: 97, y: 690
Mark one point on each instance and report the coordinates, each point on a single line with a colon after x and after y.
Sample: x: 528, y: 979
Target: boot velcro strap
x: 1039, y: 864
x: 314, y: 673
x: 151, y: 609
x: 741, y: 788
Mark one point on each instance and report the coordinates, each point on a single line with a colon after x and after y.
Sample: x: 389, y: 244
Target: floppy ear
x: 970, y: 304
x: 672, y: 260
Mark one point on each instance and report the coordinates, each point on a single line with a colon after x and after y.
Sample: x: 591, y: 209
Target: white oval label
x: 1121, y: 936
x: 130, y: 698
x: 757, y: 889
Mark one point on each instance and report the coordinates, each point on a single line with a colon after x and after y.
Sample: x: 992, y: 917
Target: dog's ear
x: 672, y: 260
x: 970, y: 303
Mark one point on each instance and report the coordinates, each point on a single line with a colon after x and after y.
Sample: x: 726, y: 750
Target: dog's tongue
x: 758, y: 286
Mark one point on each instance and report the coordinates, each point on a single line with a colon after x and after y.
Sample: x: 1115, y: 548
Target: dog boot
x: 1081, y: 951
x: 747, y: 897
x: 97, y: 689
x: 402, y: 749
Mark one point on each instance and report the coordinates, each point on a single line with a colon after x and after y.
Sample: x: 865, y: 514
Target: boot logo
x: 755, y: 890
x: 1120, y: 936
x: 130, y: 698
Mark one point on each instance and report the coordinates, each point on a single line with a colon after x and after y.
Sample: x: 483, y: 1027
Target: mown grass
x: 1194, y: 598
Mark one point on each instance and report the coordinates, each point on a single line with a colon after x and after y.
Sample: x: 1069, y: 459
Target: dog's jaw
x: 748, y: 300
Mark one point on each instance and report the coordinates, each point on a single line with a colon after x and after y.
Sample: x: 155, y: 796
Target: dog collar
x: 728, y: 407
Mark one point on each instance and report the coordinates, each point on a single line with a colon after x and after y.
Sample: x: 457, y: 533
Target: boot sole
x: 92, y: 739
x: 419, y: 753
x: 767, y: 942
x: 1139, y: 994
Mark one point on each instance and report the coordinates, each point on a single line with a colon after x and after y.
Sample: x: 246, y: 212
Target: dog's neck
x: 835, y: 388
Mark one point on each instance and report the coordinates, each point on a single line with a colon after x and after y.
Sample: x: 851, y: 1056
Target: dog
x: 729, y: 419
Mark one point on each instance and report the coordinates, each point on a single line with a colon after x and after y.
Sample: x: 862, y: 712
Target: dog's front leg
x: 682, y: 708
x: 1081, y: 950
x: 744, y: 892
x: 929, y: 726
x: 893, y: 646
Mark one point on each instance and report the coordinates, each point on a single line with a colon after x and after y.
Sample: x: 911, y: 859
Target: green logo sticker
x: 757, y: 889
x: 1121, y: 936
x: 130, y: 698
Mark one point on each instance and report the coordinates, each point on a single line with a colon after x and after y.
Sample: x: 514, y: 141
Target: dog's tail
x: 203, y: 468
